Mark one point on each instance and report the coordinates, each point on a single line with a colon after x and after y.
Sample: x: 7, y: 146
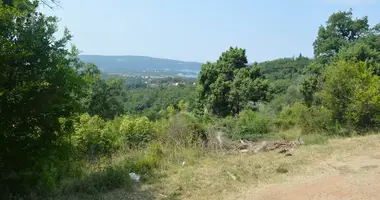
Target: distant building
x: 179, y: 84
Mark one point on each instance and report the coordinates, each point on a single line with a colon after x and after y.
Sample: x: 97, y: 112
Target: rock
x: 282, y: 170
x: 283, y: 151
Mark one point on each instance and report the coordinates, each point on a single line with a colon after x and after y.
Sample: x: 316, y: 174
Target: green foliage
x: 137, y: 131
x: 107, y: 97
x: 361, y: 51
x: 291, y: 116
x: 151, y: 159
x: 44, y: 89
x: 340, y: 30
x: 40, y: 82
x: 227, y: 86
x: 95, y: 137
x: 352, y: 93
x: 183, y: 106
x: 309, y: 87
x: 291, y: 96
x: 150, y: 101
x: 311, y: 119
x: 183, y: 129
x: 284, y: 72
x: 104, y: 180
x: 248, y: 125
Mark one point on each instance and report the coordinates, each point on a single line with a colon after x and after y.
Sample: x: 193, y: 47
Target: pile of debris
x: 284, y: 147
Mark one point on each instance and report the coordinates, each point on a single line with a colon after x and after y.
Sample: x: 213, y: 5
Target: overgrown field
x: 67, y: 132
x: 220, y: 175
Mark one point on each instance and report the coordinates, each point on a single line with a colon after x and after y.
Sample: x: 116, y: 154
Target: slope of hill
x: 143, y: 65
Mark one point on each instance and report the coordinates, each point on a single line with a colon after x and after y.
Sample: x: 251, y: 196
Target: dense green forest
x: 62, y: 122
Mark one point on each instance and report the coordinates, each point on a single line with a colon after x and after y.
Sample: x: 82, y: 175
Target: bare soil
x: 354, y: 177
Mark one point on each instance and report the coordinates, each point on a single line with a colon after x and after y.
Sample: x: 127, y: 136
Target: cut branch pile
x: 284, y: 147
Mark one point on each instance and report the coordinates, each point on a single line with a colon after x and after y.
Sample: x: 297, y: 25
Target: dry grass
x: 219, y: 175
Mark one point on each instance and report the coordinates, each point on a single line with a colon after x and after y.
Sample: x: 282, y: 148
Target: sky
x: 200, y: 30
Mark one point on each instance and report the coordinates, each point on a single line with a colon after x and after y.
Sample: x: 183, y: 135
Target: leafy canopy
x: 41, y: 82
x: 227, y: 86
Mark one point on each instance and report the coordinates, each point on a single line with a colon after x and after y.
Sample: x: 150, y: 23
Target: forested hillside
x: 142, y: 65
x: 70, y: 132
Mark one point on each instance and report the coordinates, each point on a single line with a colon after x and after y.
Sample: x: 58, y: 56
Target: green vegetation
x: 229, y: 85
x: 68, y: 130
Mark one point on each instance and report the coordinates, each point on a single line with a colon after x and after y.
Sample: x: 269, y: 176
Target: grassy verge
x: 186, y: 173
x: 217, y: 176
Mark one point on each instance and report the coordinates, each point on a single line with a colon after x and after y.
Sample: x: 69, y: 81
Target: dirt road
x: 354, y: 177
x: 344, y: 169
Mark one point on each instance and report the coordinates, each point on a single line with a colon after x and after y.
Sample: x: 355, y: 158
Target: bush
x: 114, y: 174
x: 40, y: 82
x: 137, y: 132
x: 316, y: 119
x: 310, y: 119
x: 250, y: 125
x: 352, y: 93
x: 94, y: 137
x: 291, y: 116
x: 107, y: 179
x: 183, y: 129
x: 151, y: 160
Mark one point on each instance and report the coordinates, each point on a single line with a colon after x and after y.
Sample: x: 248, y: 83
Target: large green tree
x: 41, y: 82
x: 352, y: 93
x: 227, y: 86
x: 340, y: 30
x: 342, y: 38
x: 107, y: 97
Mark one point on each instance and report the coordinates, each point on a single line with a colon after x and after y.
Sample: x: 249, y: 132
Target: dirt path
x: 341, y: 169
x: 354, y: 177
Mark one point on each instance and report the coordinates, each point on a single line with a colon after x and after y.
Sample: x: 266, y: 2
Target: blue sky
x: 200, y: 30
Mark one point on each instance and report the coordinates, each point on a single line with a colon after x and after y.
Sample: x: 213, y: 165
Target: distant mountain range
x: 143, y: 65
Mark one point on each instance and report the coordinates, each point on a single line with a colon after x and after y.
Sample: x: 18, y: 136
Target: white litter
x: 135, y: 177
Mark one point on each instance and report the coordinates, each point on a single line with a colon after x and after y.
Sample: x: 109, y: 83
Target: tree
x: 340, y: 30
x: 308, y: 89
x: 40, y: 83
x: 361, y: 52
x: 284, y: 72
x: 107, y: 97
x: 226, y: 87
x: 352, y: 94
x: 342, y: 38
x: 17, y: 3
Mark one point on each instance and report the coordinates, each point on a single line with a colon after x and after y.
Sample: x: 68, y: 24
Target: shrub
x: 40, y: 82
x: 150, y: 161
x: 250, y: 125
x: 137, y: 132
x: 115, y: 175
x: 316, y: 119
x: 144, y: 163
x: 352, y: 93
x: 310, y: 119
x: 94, y: 137
x: 183, y: 129
x: 107, y: 179
x: 290, y: 116
x: 111, y: 137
